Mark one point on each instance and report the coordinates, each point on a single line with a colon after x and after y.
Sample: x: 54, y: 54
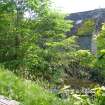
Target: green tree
x: 33, y: 45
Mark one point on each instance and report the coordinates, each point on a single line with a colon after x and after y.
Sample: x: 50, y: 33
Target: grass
x: 31, y: 93
x: 26, y: 92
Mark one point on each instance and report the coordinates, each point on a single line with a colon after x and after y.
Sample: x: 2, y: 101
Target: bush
x: 24, y: 91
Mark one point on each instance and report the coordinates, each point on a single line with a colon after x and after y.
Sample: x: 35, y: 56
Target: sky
x: 71, y: 6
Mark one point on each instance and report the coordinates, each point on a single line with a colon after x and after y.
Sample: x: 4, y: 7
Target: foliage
x: 37, y: 47
x: 101, y: 38
x: 86, y: 28
x: 25, y: 91
x: 31, y: 93
x: 15, y: 88
x: 99, y: 63
x: 31, y: 44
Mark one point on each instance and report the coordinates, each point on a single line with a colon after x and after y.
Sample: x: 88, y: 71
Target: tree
x: 99, y: 64
x: 34, y: 46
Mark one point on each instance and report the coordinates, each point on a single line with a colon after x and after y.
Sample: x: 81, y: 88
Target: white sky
x: 70, y: 6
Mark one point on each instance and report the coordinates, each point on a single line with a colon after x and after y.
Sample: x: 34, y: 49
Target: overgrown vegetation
x: 25, y: 91
x: 36, y: 47
x: 30, y: 93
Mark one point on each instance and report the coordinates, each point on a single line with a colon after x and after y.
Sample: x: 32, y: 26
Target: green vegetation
x: 30, y: 93
x: 27, y: 92
x: 36, y: 48
x: 86, y: 28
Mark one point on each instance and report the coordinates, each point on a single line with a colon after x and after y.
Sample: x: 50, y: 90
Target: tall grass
x: 25, y: 91
x: 31, y: 93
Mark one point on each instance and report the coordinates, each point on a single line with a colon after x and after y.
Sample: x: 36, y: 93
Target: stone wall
x: 6, y: 101
x: 98, y: 15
